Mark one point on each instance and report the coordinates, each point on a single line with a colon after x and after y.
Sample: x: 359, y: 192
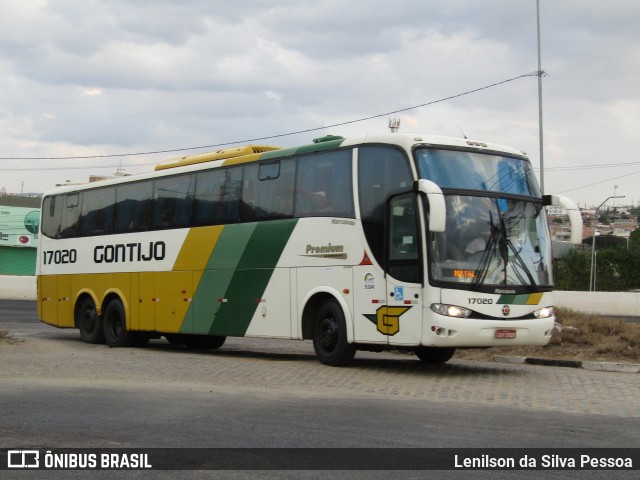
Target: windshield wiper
x: 499, y: 240
x: 488, y: 253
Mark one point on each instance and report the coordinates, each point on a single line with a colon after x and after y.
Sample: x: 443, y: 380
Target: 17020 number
x: 481, y: 301
x: 59, y: 256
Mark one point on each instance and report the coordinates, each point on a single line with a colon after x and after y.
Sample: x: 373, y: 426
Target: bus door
x: 403, y: 316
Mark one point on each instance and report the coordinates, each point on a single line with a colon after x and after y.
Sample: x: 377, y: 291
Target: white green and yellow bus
x: 418, y: 242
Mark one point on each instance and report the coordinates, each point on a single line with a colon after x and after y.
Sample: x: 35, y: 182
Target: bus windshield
x: 477, y: 171
x: 490, y: 241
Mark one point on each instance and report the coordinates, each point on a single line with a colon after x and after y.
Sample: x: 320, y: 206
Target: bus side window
x: 173, y: 201
x: 134, y: 207
x: 267, y: 190
x: 97, y: 211
x: 52, y: 216
x: 323, y: 185
x: 217, y: 197
x: 70, y: 215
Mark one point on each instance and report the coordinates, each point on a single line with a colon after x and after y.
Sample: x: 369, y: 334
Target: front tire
x: 116, y: 333
x: 89, y: 322
x: 330, y: 336
x: 434, y: 355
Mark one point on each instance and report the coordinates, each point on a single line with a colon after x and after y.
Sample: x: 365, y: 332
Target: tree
x: 617, y: 267
x: 572, y: 272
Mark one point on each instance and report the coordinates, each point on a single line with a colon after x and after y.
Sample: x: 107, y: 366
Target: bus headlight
x: 450, y: 310
x: 546, y: 312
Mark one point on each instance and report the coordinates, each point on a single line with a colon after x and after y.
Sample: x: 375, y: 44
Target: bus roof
x: 252, y: 153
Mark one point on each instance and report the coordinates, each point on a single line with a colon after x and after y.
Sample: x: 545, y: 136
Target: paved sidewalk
x: 289, y: 367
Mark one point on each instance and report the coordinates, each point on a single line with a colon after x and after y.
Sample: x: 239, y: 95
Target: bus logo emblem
x: 506, y: 310
x: 387, y: 319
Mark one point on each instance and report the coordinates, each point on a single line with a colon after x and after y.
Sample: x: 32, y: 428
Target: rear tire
x: 434, y: 355
x: 89, y: 322
x: 330, y: 336
x: 116, y: 333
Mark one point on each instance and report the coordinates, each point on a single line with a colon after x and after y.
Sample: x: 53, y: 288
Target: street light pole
x: 592, y: 283
x: 540, y: 127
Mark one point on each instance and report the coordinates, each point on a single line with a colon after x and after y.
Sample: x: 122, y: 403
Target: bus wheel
x: 202, y: 342
x: 434, y: 355
x: 115, y: 326
x: 89, y: 322
x: 330, y: 336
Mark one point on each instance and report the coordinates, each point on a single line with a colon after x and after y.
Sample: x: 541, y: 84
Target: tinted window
x: 323, y: 186
x: 52, y: 216
x: 404, y: 242
x: 70, y: 215
x: 134, y: 208
x: 97, y: 211
x: 382, y: 172
x: 173, y: 201
x: 217, y: 198
x: 265, y: 195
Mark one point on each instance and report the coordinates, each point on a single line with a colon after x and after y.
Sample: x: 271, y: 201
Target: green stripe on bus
x: 251, y: 277
x: 311, y: 148
x: 525, y: 299
x: 217, y: 275
x: 237, y: 273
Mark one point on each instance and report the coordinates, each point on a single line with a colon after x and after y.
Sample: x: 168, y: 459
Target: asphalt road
x: 58, y: 392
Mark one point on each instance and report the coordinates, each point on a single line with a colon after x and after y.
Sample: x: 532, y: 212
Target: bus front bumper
x: 443, y: 331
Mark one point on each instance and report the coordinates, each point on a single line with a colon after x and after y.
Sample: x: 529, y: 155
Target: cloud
x: 120, y: 76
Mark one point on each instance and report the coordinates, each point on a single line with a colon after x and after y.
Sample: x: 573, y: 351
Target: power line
x: 92, y: 167
x: 308, y: 130
x: 598, y: 183
x: 592, y: 166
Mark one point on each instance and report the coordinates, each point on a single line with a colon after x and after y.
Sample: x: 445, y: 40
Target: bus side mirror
x: 575, y: 218
x: 437, y: 207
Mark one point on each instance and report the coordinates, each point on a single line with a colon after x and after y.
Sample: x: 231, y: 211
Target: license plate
x: 505, y: 334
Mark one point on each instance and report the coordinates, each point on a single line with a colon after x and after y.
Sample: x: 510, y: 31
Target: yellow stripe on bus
x: 197, y: 248
x: 534, y: 299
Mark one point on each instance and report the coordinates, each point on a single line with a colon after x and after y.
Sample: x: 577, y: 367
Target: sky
x: 87, y: 78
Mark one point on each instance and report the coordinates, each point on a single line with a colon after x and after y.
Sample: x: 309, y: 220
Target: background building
x: 19, y: 225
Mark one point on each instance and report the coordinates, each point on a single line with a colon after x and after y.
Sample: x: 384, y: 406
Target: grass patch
x: 603, y: 335
x: 579, y: 336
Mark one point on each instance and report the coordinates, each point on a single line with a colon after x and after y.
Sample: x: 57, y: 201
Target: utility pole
x: 540, y: 126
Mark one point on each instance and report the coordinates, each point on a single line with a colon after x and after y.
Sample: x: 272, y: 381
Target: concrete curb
x: 595, y: 366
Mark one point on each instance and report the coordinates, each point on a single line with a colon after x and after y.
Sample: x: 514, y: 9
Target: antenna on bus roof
x: 394, y: 124
x: 120, y: 171
x: 462, y: 132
